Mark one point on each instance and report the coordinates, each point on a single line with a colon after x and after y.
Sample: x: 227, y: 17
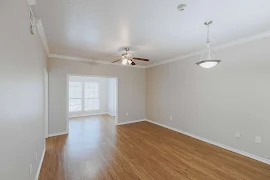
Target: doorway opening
x: 92, y: 96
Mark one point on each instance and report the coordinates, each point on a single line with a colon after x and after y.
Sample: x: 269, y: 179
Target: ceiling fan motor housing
x: 127, y: 55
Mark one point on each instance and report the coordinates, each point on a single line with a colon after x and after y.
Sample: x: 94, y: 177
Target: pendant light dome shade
x: 209, y: 61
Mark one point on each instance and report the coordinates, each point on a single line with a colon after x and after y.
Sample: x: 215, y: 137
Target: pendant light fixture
x: 209, y: 60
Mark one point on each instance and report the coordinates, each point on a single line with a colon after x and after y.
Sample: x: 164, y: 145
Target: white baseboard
x: 130, y: 122
x: 110, y: 114
x: 57, y: 134
x: 90, y: 114
x: 40, y: 164
x: 267, y: 161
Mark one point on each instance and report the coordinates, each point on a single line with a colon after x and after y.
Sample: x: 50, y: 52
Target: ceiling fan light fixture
x: 125, y: 61
x: 128, y: 58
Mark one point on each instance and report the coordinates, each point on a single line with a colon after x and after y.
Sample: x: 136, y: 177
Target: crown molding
x: 42, y: 35
x: 57, y: 56
x: 46, y: 47
x: 219, y: 47
x: 189, y: 55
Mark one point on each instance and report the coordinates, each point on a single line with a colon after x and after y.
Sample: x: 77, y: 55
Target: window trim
x: 89, y: 98
x: 82, y: 82
x: 82, y: 85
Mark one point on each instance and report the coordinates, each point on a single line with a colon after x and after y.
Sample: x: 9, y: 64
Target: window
x: 91, y: 96
x: 75, y: 96
x: 83, y: 96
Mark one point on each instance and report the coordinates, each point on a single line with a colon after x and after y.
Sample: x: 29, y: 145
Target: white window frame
x: 83, y: 97
x: 82, y: 84
x: 98, y: 109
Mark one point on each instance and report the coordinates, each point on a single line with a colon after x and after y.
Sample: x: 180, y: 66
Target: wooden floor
x: 96, y: 149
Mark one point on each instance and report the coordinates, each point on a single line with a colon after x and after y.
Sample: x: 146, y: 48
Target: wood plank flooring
x: 95, y: 149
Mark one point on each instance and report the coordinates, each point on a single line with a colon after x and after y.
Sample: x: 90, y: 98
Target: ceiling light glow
x: 125, y: 61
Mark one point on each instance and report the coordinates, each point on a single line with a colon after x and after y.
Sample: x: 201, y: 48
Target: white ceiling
x: 153, y: 29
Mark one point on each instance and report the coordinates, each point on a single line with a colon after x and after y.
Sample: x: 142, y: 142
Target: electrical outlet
x: 30, y: 169
x: 258, y: 139
x: 36, y: 156
x: 127, y: 114
x: 170, y: 117
x: 238, y: 135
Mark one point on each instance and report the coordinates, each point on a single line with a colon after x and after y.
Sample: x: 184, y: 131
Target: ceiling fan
x: 128, y: 58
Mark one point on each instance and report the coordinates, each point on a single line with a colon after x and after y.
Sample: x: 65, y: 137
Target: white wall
x: 215, y: 103
x: 22, y: 62
x: 131, y: 87
x: 111, y: 96
x: 103, y: 95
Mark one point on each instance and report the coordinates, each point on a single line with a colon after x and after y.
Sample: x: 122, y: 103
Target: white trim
x: 110, y: 114
x: 58, y: 134
x: 42, y: 35
x: 46, y: 102
x: 67, y: 103
x: 130, y: 122
x: 85, y: 115
x: 219, y: 47
x: 57, y: 56
x: 267, y: 161
x: 40, y: 163
x: 116, y: 101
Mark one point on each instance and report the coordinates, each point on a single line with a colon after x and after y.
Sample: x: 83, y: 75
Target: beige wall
x: 22, y: 62
x: 131, y: 86
x: 215, y: 103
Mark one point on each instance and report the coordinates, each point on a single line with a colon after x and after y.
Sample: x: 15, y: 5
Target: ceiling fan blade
x: 141, y: 59
x: 133, y: 63
x: 116, y: 61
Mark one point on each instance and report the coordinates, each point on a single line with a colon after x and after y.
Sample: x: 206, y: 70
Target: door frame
x: 46, y: 102
x: 83, y: 75
x: 114, y: 98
